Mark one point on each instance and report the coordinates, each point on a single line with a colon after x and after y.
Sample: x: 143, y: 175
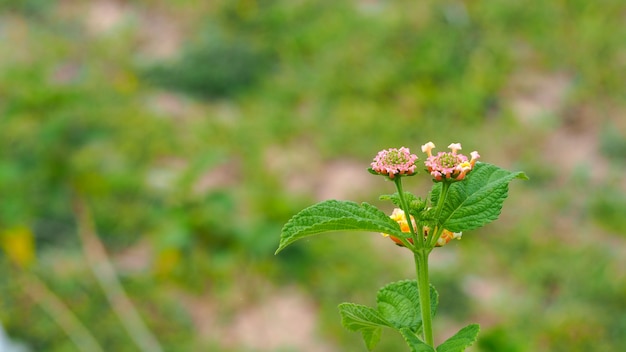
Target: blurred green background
x: 194, y: 130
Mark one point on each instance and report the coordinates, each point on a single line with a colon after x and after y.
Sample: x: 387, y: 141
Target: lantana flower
x: 449, y: 165
x: 394, y: 162
x: 399, y: 216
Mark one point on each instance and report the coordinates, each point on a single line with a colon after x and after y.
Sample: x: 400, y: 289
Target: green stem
x: 438, y: 230
x: 420, y: 254
x: 442, y: 199
x: 423, y: 286
x: 405, y: 207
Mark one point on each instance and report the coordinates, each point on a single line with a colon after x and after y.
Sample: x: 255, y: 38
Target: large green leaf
x: 334, y: 215
x: 461, y: 340
x: 477, y: 200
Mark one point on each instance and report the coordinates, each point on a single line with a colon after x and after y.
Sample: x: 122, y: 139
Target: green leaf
x: 398, y: 307
x: 399, y: 304
x: 416, y: 204
x: 477, y: 200
x: 334, y: 215
x: 461, y: 340
x: 371, y: 337
x: 368, y: 321
x: 355, y: 317
x: 414, y: 342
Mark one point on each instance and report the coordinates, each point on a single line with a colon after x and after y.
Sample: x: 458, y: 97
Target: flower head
x: 393, y: 162
x: 399, y: 216
x: 449, y: 165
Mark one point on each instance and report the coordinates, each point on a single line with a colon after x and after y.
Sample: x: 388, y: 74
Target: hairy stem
x: 423, y: 286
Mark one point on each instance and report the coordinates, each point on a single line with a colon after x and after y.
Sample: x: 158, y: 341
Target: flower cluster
x: 398, y: 216
x: 394, y: 162
x: 448, y: 165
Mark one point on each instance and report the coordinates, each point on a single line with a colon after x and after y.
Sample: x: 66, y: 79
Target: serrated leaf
x: 414, y: 342
x: 461, y: 340
x: 399, y: 304
x: 334, y: 215
x: 477, y: 200
x: 398, y: 307
x: 368, y: 321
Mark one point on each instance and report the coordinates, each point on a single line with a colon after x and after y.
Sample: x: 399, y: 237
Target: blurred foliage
x: 607, y: 207
x: 613, y: 143
x: 27, y: 7
x: 212, y: 67
x: 189, y: 194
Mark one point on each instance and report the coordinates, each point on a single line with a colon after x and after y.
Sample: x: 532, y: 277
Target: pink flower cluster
x: 448, y: 165
x: 392, y: 162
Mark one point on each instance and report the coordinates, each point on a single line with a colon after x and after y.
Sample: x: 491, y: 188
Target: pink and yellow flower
x: 449, y: 165
x: 399, y: 216
x: 394, y: 162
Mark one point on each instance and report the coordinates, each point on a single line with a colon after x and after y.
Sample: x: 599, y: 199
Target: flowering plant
x: 466, y: 195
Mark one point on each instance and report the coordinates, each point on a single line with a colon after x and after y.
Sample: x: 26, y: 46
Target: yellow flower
x: 398, y: 216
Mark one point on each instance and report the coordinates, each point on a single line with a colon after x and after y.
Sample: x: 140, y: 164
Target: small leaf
x: 355, y: 317
x: 414, y: 342
x: 399, y: 304
x: 371, y: 337
x: 477, y: 200
x: 461, y: 340
x: 334, y: 215
x: 416, y: 204
x: 368, y: 321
